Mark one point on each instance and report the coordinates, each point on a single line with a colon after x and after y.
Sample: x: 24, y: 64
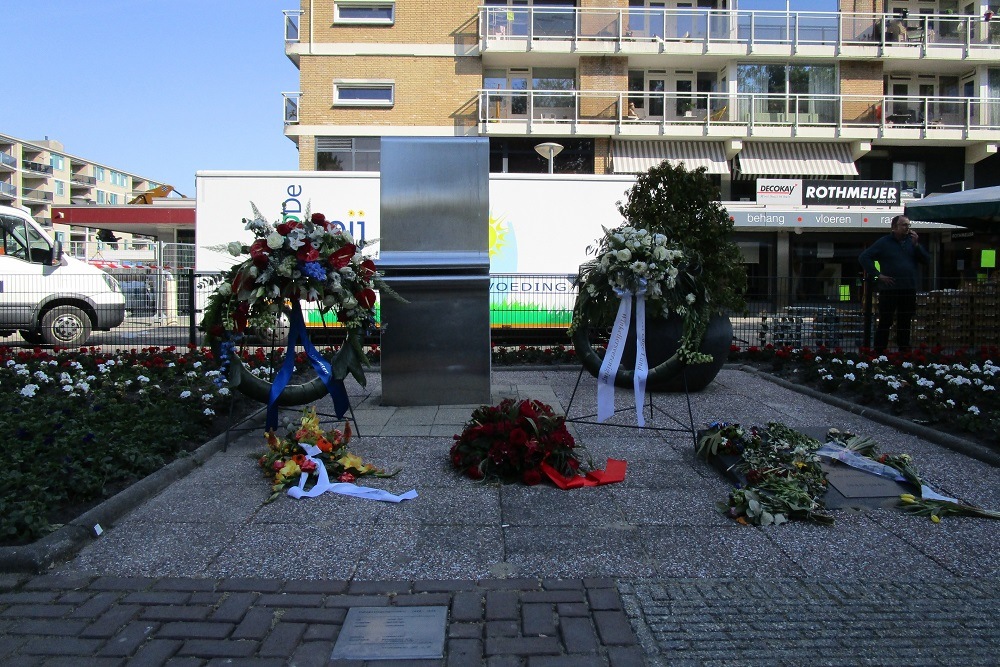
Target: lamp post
x: 549, y: 150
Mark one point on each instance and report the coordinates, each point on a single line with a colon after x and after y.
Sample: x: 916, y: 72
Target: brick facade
x: 606, y: 74
x: 429, y: 91
x: 861, y: 78
x: 417, y: 22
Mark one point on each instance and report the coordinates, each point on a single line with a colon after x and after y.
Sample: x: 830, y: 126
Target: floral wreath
x: 312, y: 260
x: 512, y: 441
x: 636, y: 261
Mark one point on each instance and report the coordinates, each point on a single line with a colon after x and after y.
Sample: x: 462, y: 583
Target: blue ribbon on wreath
x: 297, y: 335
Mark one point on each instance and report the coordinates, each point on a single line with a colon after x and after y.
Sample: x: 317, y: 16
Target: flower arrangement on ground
x: 782, y: 477
x: 512, y: 440
x: 286, y: 458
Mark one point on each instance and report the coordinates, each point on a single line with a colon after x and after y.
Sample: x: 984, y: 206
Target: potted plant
x: 675, y: 250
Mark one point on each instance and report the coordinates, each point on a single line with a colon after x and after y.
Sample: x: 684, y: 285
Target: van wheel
x: 66, y: 326
x: 32, y: 337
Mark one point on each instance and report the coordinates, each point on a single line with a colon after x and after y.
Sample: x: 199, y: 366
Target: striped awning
x: 795, y: 159
x: 635, y: 157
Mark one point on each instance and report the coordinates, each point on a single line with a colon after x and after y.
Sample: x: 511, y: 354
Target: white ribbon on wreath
x: 613, y: 356
x: 343, y: 488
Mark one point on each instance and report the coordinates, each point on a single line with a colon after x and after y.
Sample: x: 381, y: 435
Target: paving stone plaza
x: 644, y: 572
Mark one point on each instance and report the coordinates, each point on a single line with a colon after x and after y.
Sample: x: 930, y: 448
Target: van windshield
x: 21, y: 240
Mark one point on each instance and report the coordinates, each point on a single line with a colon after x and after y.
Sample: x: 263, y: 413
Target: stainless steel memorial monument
x: 435, y: 254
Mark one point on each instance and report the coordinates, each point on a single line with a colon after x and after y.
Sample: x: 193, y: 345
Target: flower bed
x: 83, y: 424
x: 956, y: 391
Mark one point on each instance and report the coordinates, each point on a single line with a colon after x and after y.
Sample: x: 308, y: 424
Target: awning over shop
x: 795, y: 159
x: 634, y: 157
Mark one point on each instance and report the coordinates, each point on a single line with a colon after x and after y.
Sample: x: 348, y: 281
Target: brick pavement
x: 139, y: 621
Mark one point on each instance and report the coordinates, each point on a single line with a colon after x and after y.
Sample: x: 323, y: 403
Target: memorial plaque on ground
x: 849, y: 487
x: 392, y: 633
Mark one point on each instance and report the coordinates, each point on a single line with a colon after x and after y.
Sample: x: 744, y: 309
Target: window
x: 364, y: 11
x: 363, y: 93
x: 102, y: 197
x: 60, y: 188
x: 21, y: 240
x: 910, y: 176
x: 57, y: 162
x: 99, y: 173
x: 119, y: 179
x: 348, y: 153
x: 112, y: 198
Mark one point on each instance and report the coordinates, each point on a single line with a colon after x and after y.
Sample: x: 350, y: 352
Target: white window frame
x: 362, y: 4
x: 355, y: 84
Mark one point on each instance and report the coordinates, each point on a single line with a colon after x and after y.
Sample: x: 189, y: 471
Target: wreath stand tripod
x: 289, y: 396
x: 679, y: 426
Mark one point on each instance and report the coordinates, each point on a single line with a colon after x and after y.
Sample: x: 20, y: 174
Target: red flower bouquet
x: 510, y: 441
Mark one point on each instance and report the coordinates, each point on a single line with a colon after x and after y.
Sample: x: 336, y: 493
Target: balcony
x: 292, y: 39
x: 724, y: 32
x: 83, y: 181
x: 36, y: 167
x: 42, y: 196
x: 290, y: 108
x: 8, y: 190
x: 8, y: 162
x: 735, y: 115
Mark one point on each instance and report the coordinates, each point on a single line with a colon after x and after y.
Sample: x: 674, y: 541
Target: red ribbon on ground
x: 613, y: 472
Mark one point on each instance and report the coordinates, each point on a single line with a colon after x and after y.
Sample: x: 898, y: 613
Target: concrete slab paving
x: 645, y: 572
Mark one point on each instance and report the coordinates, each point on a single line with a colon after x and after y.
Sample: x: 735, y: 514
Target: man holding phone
x: 898, y: 253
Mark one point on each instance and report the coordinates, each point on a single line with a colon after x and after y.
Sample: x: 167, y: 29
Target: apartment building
x: 38, y: 175
x: 903, y: 92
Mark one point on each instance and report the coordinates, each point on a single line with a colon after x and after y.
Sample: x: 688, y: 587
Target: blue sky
x: 160, y: 89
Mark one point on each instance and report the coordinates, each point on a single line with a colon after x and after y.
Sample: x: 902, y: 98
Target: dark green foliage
x: 684, y: 206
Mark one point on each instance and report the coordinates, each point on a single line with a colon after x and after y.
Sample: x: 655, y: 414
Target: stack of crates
x: 986, y: 309
x: 944, y: 317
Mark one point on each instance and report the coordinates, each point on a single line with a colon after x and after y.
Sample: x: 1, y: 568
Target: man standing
x: 898, y: 254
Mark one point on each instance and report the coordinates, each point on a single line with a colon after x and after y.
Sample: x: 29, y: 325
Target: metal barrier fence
x: 156, y: 309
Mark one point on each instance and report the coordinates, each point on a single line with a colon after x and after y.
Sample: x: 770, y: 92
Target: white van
x: 46, y: 296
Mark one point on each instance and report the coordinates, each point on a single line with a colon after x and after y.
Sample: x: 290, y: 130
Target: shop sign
x: 779, y: 192
x: 850, y: 193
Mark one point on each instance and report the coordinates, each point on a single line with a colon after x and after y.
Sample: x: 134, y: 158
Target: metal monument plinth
x: 435, y: 254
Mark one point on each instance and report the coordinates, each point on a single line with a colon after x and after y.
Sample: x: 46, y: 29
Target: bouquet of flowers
x: 511, y: 440
x: 635, y: 260
x: 285, y: 459
x: 310, y: 260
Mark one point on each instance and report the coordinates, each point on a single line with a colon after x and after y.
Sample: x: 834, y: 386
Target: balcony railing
x: 80, y: 179
x: 8, y: 190
x: 722, y: 26
x: 290, y: 107
x: 292, y: 25
x: 8, y: 160
x: 37, y: 167
x: 738, y: 109
x: 37, y: 195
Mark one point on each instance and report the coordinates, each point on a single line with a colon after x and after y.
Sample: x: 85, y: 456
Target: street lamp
x: 549, y: 150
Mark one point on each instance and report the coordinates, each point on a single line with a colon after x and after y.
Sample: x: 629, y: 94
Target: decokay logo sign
x: 779, y: 192
x: 794, y: 192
